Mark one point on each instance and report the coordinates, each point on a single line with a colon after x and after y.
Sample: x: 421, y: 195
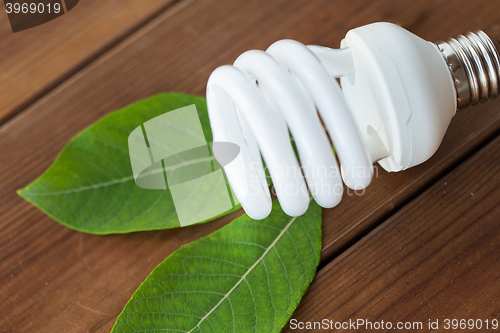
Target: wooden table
x: 418, y: 245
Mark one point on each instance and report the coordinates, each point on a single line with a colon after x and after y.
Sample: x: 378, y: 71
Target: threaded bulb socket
x: 474, y: 63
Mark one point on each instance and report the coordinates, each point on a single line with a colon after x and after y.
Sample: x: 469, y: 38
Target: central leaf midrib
x: 243, y: 277
x: 119, y: 180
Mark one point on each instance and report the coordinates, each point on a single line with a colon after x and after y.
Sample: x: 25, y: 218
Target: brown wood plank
x: 437, y: 258
x: 55, y: 279
x: 34, y: 61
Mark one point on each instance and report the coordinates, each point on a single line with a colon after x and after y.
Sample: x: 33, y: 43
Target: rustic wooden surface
x: 34, y: 61
x: 53, y: 279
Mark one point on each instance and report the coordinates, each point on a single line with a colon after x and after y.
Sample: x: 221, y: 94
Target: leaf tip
x: 21, y: 192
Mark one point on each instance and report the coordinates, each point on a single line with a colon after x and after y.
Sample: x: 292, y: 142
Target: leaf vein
x: 271, y: 246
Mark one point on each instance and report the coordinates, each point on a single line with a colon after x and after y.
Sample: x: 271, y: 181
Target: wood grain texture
x: 437, y: 258
x: 34, y: 61
x: 53, y: 279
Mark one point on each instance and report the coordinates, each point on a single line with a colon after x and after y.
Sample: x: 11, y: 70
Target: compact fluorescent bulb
x: 399, y: 93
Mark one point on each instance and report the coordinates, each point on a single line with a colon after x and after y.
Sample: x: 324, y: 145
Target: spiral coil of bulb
x: 253, y: 104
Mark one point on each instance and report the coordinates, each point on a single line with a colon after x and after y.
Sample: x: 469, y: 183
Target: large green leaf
x: 91, y: 188
x: 246, y: 277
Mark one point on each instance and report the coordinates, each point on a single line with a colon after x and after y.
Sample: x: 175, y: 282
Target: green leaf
x: 248, y: 276
x: 91, y: 187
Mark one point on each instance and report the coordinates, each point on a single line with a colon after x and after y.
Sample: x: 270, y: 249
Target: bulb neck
x: 474, y: 63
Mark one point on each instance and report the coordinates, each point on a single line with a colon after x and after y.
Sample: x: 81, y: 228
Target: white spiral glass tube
x: 253, y: 104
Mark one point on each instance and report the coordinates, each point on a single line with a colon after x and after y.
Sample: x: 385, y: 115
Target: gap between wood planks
x: 125, y: 34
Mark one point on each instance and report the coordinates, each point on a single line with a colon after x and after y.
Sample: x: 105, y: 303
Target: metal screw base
x: 474, y: 64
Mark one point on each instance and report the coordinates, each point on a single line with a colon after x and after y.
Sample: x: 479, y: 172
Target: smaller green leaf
x: 248, y: 276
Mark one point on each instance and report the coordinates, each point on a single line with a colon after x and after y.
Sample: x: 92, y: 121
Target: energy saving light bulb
x: 397, y: 97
